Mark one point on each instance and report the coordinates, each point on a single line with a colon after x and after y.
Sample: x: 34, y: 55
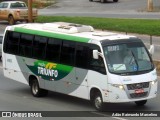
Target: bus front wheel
x: 36, y: 90
x: 141, y: 103
x: 98, y: 102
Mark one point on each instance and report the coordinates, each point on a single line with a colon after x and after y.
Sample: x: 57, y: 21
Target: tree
x: 150, y: 5
x: 30, y: 19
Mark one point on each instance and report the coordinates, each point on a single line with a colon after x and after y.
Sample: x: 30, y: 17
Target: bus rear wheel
x: 141, y: 103
x: 36, y: 90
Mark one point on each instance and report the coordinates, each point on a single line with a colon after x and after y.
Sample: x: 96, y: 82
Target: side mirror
x: 95, y: 54
x: 151, y: 49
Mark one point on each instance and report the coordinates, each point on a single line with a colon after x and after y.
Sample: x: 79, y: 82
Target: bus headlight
x: 154, y: 82
x: 118, y: 86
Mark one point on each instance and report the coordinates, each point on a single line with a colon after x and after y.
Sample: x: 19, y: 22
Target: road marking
x: 118, y: 118
x: 105, y: 115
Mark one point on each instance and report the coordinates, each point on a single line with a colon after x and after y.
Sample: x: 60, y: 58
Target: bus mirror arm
x: 96, y: 54
x: 151, y: 49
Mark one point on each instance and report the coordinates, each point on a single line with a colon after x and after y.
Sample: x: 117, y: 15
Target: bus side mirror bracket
x: 151, y: 49
x: 95, y: 54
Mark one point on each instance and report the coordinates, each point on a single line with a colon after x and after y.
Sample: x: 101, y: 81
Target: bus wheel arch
x: 96, y: 99
x: 35, y: 89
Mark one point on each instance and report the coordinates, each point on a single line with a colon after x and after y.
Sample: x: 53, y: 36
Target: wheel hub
x: 98, y: 102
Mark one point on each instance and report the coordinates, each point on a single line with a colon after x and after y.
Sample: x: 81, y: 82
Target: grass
x: 140, y: 26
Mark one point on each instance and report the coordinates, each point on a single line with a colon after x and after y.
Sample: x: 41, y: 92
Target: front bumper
x: 128, y: 94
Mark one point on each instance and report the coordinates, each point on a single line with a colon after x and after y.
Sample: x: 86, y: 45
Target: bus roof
x: 62, y: 30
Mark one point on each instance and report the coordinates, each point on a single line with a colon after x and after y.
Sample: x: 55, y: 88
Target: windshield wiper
x: 135, y: 60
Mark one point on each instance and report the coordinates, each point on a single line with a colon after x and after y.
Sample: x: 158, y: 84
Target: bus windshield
x: 127, y: 58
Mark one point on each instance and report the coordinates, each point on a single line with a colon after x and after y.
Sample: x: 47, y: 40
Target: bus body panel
x: 12, y: 69
x: 98, y: 81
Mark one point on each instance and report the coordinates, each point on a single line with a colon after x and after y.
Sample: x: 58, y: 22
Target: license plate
x: 138, y: 91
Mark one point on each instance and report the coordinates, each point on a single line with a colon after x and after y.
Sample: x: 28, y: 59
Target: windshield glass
x: 127, y: 58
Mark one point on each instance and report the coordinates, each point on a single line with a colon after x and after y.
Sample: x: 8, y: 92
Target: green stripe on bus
x: 51, y: 34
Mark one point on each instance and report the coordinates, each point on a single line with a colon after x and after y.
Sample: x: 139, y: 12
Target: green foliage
x: 141, y: 26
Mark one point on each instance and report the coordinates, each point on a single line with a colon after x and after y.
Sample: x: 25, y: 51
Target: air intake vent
x: 67, y: 27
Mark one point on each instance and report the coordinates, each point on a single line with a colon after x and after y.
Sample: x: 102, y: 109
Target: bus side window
x: 81, y: 55
x: 68, y: 53
x: 53, y: 49
x: 11, y: 42
x: 96, y: 64
x: 26, y: 45
x: 39, y: 46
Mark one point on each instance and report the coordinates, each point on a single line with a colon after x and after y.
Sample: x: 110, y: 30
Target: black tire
x: 11, y: 20
x: 115, y: 0
x: 91, y: 0
x: 141, y: 103
x: 36, y: 90
x: 102, y: 1
x: 98, y: 102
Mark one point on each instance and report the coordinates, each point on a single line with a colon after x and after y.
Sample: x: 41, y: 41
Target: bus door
x: 81, y: 70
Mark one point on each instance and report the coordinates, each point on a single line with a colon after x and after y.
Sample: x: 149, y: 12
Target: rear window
x: 3, y: 5
x: 17, y: 5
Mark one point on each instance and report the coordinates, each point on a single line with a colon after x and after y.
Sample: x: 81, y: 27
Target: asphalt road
x: 17, y: 97
x: 122, y: 9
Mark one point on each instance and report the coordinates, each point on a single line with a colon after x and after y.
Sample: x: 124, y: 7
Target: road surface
x: 122, y: 9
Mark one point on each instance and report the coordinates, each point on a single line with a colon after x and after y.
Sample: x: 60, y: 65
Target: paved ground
x: 122, y: 9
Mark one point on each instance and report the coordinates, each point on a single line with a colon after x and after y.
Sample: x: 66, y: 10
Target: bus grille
x: 138, y: 86
x: 134, y: 95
